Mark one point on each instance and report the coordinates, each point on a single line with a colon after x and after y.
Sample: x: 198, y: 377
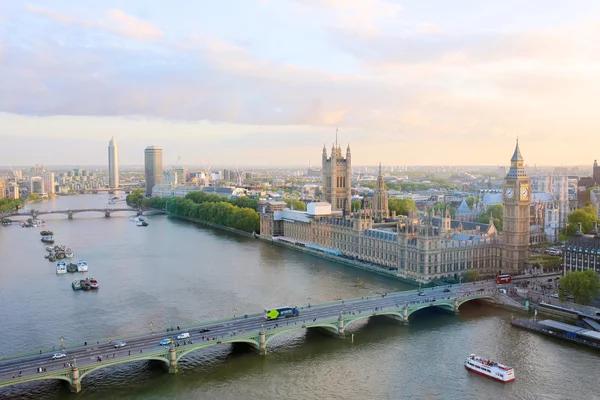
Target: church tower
x: 596, y: 173
x: 380, y: 200
x: 516, y: 200
x: 337, y: 179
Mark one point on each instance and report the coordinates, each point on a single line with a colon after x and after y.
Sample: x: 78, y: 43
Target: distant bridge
x: 253, y: 330
x: 70, y: 212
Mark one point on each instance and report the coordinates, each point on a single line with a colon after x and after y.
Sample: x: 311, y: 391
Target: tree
x: 586, y: 216
x: 470, y: 201
x: 355, y: 205
x: 401, y: 206
x: 134, y: 199
x: 297, y: 204
x: 33, y: 196
x: 470, y: 276
x: 584, y: 286
x: 496, y: 211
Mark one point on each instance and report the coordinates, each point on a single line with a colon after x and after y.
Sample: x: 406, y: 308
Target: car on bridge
x: 183, y: 335
x: 57, y: 356
x: 166, y: 341
x: 446, y: 290
x: 204, y: 330
x: 120, y: 344
x: 421, y: 293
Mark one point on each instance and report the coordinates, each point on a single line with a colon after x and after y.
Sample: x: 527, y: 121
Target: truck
x: 281, y: 312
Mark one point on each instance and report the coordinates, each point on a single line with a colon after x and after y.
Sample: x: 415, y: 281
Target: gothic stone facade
x: 422, y: 249
x: 337, y: 179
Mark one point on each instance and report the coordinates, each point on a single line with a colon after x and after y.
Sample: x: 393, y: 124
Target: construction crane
x: 206, y: 172
x: 239, y: 174
x: 14, y: 173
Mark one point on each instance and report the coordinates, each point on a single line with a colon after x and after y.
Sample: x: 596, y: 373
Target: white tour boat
x: 82, y: 266
x: 489, y: 368
x: 61, y: 267
x: 69, y: 254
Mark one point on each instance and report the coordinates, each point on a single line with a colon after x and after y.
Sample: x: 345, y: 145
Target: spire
x: 517, y: 154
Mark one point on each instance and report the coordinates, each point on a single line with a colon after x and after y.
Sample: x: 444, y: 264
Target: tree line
x: 8, y: 204
x: 239, y: 213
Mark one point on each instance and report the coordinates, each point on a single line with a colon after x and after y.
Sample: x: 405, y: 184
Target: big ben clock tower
x: 516, y: 200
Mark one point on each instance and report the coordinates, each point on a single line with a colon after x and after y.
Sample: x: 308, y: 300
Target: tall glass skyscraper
x: 153, y: 167
x: 113, y: 164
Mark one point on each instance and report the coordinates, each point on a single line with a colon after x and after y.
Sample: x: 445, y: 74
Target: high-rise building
x: 337, y: 179
x: 516, y: 200
x: 113, y: 164
x: 48, y: 178
x: 2, y: 189
x: 36, y: 185
x: 182, y: 174
x: 153, y: 167
x: 596, y: 173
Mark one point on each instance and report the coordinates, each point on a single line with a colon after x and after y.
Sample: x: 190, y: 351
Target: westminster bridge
x: 333, y: 318
x: 31, y: 213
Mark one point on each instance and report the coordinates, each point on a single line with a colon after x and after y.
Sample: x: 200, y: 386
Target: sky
x: 268, y: 82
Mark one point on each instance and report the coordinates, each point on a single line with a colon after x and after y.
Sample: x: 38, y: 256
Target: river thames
x: 176, y: 272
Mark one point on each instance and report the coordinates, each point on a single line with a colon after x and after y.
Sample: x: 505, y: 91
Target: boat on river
x: 46, y: 233
x: 69, y: 253
x: 142, y: 223
x: 489, y: 368
x: 93, y: 283
x: 76, y: 285
x: 61, y: 267
x: 82, y: 266
x: 85, y: 285
x: 71, y: 267
x: 47, y: 239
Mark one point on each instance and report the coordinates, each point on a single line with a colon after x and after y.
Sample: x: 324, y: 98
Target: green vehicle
x: 281, y: 312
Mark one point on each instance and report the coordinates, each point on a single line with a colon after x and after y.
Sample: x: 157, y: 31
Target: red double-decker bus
x: 502, y: 279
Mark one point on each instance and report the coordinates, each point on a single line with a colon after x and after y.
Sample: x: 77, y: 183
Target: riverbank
x: 212, y: 225
x: 537, y: 327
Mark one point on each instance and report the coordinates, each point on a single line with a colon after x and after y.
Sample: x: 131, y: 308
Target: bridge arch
x: 190, y: 348
x: 443, y: 306
x: 36, y: 378
x: 396, y: 313
x: 481, y: 297
x: 89, y: 368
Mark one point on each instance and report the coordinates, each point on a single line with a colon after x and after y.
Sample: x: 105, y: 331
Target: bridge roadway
x: 332, y: 317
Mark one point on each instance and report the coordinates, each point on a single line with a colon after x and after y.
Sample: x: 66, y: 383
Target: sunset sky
x: 266, y: 82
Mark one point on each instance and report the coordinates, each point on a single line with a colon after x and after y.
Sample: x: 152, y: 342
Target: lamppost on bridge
x: 74, y: 361
x: 234, y: 313
x: 308, y: 300
x: 262, y: 327
x: 151, y: 331
x: 62, y: 342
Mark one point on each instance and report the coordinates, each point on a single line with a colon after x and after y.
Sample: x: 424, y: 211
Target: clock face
x: 509, y: 193
x: 524, y: 193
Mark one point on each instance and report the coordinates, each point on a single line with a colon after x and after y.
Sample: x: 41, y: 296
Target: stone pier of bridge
x: 75, y: 385
x: 70, y: 214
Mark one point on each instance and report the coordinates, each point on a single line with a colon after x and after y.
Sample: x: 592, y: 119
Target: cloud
x: 428, y: 28
x: 129, y: 26
x: 116, y: 22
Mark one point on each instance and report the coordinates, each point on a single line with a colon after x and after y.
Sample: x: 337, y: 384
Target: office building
x: 113, y: 164
x: 153, y: 167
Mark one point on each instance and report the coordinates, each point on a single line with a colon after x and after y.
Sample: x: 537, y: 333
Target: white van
x: 184, y: 335
x: 503, y: 291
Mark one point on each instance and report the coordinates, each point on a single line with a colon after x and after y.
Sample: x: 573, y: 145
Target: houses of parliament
x: 420, y: 248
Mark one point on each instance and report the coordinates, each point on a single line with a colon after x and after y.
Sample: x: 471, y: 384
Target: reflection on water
x: 175, y: 273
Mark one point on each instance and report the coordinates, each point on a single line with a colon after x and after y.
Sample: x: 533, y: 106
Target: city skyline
x: 406, y: 83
